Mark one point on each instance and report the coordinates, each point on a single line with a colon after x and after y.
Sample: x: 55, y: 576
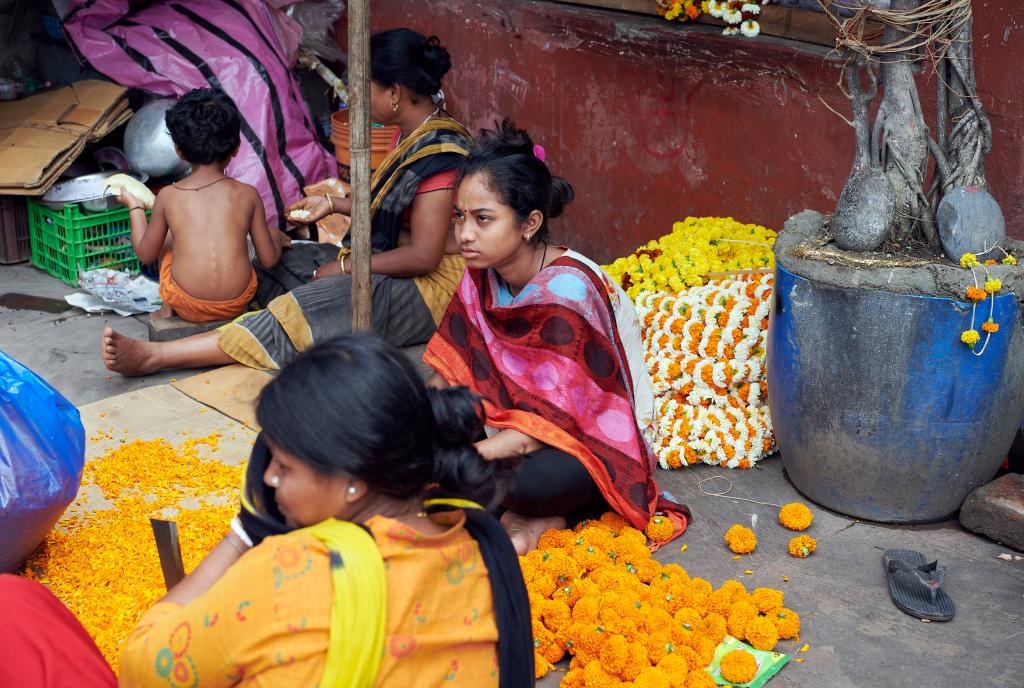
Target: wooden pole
x: 359, y: 147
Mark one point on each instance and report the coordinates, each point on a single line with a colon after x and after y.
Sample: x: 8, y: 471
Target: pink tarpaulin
x: 173, y: 47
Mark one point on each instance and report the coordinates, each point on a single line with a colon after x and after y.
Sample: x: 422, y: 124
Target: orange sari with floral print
x: 266, y: 621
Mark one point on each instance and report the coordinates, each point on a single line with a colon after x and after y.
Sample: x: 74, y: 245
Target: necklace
x: 436, y: 111
x: 198, y: 188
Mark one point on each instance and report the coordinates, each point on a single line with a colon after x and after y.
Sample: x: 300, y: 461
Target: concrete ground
x: 857, y: 637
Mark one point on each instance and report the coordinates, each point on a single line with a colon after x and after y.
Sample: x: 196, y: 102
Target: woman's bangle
x: 137, y: 207
x: 341, y: 262
x: 239, y: 531
x: 329, y: 201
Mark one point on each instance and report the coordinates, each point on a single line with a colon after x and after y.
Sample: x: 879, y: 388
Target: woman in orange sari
x: 552, y: 345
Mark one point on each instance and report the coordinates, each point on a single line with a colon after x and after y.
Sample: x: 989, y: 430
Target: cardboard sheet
x: 41, y: 136
x: 231, y: 390
x: 161, y: 412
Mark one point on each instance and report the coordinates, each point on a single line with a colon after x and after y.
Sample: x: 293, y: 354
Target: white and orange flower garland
x: 705, y: 350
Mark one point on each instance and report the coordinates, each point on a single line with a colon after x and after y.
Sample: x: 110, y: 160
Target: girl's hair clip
x: 539, y: 152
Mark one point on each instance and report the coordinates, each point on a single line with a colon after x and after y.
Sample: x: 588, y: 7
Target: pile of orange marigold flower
x: 598, y: 595
x: 103, y: 564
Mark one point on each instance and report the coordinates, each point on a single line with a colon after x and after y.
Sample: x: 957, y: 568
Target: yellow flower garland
x: 695, y: 247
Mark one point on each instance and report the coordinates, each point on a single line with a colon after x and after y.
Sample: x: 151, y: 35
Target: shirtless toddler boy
x: 199, y: 224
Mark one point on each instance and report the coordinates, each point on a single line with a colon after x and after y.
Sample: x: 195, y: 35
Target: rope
x: 928, y: 30
x: 725, y: 493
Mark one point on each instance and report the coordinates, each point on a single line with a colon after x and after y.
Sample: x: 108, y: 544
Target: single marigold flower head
x: 652, y: 677
x: 636, y: 660
x: 675, y: 667
x: 990, y: 261
x: 719, y: 601
x: 761, y: 633
x: 975, y: 294
x: 573, y: 679
x: 614, y: 521
x: 736, y: 589
x: 970, y: 337
x: 595, y: 675
x: 614, y: 654
x: 740, y: 539
x: 801, y: 546
x: 766, y: 599
x: 990, y: 326
x: 660, y: 529
x: 1009, y: 260
x: 554, y: 539
x: 739, y: 615
x: 968, y: 260
x: 795, y: 516
x: 714, y: 627
x: 659, y: 645
x: 993, y: 284
x: 787, y: 623
x: 738, y: 666
x: 699, y: 679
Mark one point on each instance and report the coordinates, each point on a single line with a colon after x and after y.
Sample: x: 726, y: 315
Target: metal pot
x: 89, y: 190
x: 147, y: 143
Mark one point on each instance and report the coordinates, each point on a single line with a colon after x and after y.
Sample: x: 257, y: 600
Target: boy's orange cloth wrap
x: 192, y: 309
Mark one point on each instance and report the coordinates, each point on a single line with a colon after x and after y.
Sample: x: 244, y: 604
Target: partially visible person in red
x: 44, y: 645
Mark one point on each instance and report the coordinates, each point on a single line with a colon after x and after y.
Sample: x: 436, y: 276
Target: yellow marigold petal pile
x: 598, y: 595
x: 705, y: 351
x: 695, y: 247
x: 740, y: 539
x: 103, y: 564
x: 795, y: 516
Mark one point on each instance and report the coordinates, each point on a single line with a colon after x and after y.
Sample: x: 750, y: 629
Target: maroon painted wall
x: 652, y: 121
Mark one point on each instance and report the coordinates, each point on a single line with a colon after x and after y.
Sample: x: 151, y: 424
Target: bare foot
x: 165, y: 312
x: 127, y: 356
x: 525, y: 532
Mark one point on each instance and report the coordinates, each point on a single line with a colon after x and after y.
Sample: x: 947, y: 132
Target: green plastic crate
x: 67, y: 241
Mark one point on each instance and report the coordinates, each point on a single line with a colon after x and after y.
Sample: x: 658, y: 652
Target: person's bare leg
x: 525, y: 531
x: 131, y: 357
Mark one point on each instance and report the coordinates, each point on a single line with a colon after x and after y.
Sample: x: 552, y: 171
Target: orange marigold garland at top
x: 802, y: 546
x: 598, y: 595
x: 795, y: 516
x: 738, y: 666
x: 705, y: 351
x: 740, y: 539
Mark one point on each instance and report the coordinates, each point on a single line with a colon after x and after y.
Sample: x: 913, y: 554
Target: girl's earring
x: 394, y: 106
x: 351, y: 489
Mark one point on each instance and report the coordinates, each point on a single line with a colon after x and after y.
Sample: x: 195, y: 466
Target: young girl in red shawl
x: 553, y: 346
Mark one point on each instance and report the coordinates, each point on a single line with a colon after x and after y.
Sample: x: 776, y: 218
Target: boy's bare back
x: 207, y: 230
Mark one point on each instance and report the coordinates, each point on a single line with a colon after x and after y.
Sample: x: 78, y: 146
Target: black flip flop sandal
x: 914, y: 585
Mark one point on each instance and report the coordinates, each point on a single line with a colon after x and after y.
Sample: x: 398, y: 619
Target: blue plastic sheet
x: 42, y: 453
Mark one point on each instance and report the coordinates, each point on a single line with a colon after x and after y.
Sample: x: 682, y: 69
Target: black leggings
x: 550, y: 482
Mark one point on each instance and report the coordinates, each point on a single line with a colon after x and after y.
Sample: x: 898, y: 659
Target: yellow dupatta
x: 358, y: 605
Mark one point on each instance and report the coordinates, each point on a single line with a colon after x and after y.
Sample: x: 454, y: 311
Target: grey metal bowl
x: 89, y: 190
